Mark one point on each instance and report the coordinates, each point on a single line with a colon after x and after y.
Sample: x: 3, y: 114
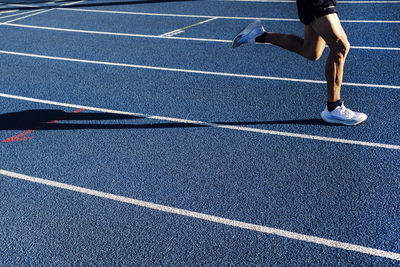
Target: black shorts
x: 310, y: 9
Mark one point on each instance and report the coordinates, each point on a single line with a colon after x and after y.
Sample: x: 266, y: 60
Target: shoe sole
x: 347, y: 123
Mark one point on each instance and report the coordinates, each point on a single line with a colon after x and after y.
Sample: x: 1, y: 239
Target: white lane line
x: 370, y: 2
x: 166, y: 36
x: 207, y: 217
x: 72, y: 3
x: 260, y: 1
x: 375, y: 48
x: 21, y: 5
x: 369, y: 21
x: 219, y: 17
x: 208, y: 124
x: 8, y: 11
x: 135, y: 13
x: 120, y: 34
x: 194, y: 71
x: 293, y: 1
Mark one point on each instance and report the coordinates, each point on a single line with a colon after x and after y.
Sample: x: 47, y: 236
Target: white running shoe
x: 343, y: 115
x: 248, y: 34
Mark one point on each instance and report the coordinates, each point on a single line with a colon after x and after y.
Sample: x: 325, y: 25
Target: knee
x: 340, y: 48
x: 313, y: 55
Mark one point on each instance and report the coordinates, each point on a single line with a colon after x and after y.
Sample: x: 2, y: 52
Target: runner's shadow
x: 54, y: 120
x: 281, y: 122
x: 49, y: 119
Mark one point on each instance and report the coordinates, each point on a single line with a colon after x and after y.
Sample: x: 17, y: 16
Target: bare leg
x: 322, y: 31
x: 311, y: 47
x: 329, y: 28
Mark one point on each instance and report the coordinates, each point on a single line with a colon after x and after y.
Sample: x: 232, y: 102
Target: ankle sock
x: 261, y: 38
x: 332, y: 105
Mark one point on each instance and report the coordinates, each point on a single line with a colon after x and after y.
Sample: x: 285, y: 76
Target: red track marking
x: 18, y: 136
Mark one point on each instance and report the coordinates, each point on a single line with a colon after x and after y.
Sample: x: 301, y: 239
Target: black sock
x: 332, y: 105
x: 261, y: 38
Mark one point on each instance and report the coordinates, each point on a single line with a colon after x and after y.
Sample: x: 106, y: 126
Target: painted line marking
x: 19, y: 137
x: 193, y: 71
x: 370, y: 2
x: 70, y: 4
x: 369, y: 21
x: 23, y: 5
x: 199, y: 23
x: 169, y: 35
x: 207, y: 217
x: 209, y: 124
x: 18, y: 14
x: 292, y: 1
x: 39, y: 11
x: 8, y: 11
x: 205, y: 16
x: 181, y: 30
x: 375, y: 48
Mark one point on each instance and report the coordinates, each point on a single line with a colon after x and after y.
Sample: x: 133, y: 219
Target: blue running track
x: 132, y: 134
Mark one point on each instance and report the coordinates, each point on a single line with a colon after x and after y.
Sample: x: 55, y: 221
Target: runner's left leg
x: 310, y: 47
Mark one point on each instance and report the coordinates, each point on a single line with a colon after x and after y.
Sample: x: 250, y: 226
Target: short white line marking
x: 193, y: 71
x: 209, y: 124
x: 181, y: 30
x: 165, y: 36
x: 207, y: 20
x: 171, y: 33
x: 18, y: 14
x: 40, y: 11
x: 219, y: 17
x: 207, y: 217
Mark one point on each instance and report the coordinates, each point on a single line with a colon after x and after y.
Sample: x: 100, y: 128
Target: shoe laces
x: 348, y: 113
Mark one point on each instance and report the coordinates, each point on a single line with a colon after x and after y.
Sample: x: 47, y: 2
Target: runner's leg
x: 330, y: 29
x: 311, y: 47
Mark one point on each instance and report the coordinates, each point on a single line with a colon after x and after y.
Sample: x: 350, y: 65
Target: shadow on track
x: 40, y: 120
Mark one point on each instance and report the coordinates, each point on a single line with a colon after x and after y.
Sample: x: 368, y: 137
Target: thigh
x: 330, y: 29
x: 314, y: 44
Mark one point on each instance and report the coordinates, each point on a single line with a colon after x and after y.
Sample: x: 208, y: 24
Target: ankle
x: 332, y: 105
x: 261, y: 38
